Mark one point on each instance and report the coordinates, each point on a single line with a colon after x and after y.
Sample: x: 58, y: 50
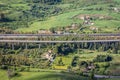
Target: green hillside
x: 32, y: 15
x: 59, y: 61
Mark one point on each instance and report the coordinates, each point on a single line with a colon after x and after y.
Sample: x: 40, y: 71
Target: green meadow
x: 66, y: 19
x: 42, y: 76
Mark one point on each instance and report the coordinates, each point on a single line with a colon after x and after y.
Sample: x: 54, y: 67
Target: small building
x: 90, y: 67
x: 93, y: 28
x: 74, y: 26
x: 116, y: 9
x: 59, y: 32
x: 83, y: 16
x: 43, y: 31
x: 49, y: 51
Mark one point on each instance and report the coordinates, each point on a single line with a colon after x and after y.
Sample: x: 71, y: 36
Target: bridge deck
x: 97, y: 34
x: 36, y: 41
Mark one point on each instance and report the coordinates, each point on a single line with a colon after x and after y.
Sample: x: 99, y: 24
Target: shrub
x: 23, y: 69
x: 5, y: 67
x: 83, y: 63
x: 60, y: 62
x: 74, y: 61
x: 11, y: 73
x: 102, y: 58
x: 101, y: 71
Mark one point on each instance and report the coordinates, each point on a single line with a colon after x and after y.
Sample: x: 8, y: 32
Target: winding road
x: 105, y: 76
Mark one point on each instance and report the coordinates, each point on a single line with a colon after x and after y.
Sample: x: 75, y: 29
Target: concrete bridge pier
x: 26, y: 46
x: 90, y: 45
x: 106, y: 45
x: 13, y: 46
x: 39, y: 46
x: 78, y: 46
x: 52, y: 45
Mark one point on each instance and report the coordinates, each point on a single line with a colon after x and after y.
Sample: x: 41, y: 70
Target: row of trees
x: 103, y: 58
x: 45, y: 1
x: 110, y: 47
x: 14, y: 60
x: 33, y: 57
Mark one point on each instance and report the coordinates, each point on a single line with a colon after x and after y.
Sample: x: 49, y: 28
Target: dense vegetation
x: 29, y: 62
x: 33, y: 57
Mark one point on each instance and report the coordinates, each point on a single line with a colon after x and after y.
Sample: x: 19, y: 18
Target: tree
x: 75, y: 61
x: 83, y: 63
x: 60, y: 62
x: 52, y: 30
x: 92, y: 75
x: 102, y: 58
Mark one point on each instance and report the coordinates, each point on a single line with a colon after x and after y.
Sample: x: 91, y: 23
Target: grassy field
x: 3, y: 75
x: 55, y: 21
x: 66, y: 19
x: 88, y: 55
x: 42, y: 76
x: 85, y: 55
